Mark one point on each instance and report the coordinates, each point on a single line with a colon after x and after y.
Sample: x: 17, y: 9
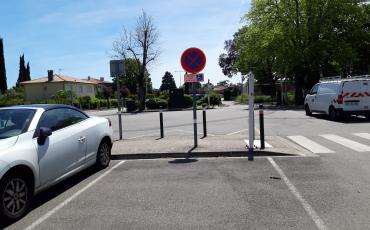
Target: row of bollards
x: 162, y: 128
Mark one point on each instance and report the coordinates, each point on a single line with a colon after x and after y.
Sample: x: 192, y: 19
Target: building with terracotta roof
x: 99, y: 81
x: 46, y: 87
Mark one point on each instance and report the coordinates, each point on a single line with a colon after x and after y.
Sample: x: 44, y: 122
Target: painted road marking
x: 307, y: 207
x: 233, y: 133
x: 310, y: 145
x: 347, y: 143
x: 64, y: 203
x: 363, y: 135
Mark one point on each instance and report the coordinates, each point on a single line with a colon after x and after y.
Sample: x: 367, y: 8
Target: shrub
x: 227, y: 94
x: 215, y: 99
x: 164, y: 95
x: 156, y: 103
x: 188, y: 101
x: 84, y: 102
x: 242, y: 99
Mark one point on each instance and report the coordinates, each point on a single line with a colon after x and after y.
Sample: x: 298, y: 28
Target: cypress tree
x: 28, y: 72
x: 22, y: 71
x: 3, y: 84
x: 168, y: 82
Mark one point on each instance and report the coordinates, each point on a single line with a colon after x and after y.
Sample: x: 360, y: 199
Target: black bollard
x: 161, y: 122
x: 204, y: 122
x: 262, y: 128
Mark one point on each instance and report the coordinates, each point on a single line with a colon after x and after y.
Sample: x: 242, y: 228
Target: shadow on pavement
x: 183, y: 161
x: 344, y: 120
x: 138, y: 156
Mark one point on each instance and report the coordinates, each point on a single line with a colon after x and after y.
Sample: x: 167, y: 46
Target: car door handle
x: 81, y: 139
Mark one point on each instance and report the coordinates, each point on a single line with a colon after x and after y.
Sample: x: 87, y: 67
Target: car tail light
x: 110, y: 122
x: 340, y: 99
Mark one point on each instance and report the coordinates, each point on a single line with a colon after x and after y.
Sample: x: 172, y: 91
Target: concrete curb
x: 258, y: 153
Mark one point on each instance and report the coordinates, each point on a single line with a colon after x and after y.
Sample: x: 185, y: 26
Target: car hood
x: 7, y: 143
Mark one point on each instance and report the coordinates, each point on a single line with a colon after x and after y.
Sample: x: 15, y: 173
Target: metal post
x: 204, y: 122
x: 262, y: 128
x: 119, y: 108
x: 195, y: 116
x: 209, y: 90
x: 161, y: 122
x: 251, y: 117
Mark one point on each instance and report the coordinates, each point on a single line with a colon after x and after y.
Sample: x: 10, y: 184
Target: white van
x: 338, y: 97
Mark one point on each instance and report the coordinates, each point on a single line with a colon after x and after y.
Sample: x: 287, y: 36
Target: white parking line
x: 347, y: 143
x: 146, y: 135
x: 64, y: 203
x: 363, y: 135
x: 233, y: 133
x: 307, y: 207
x: 310, y: 145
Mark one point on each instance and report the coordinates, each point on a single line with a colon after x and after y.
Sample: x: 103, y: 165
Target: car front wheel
x: 308, y: 111
x: 103, y: 155
x: 15, y: 197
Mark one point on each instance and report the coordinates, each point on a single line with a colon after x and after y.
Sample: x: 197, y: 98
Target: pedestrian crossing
x: 325, y: 143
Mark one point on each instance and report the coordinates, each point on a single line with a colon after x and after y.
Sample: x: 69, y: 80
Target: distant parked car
x: 337, y: 97
x: 40, y: 145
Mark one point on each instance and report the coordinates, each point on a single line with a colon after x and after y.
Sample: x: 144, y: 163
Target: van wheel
x: 332, y: 114
x: 15, y: 197
x: 308, y: 111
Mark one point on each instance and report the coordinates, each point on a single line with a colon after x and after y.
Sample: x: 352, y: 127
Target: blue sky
x: 76, y: 36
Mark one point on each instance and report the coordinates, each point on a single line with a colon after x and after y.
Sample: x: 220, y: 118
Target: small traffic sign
x: 193, y: 60
x: 194, y: 77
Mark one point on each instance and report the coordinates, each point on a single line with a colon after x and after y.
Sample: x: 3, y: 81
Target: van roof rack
x: 338, y: 78
x: 334, y: 78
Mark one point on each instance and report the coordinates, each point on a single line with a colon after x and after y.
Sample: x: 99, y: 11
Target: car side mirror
x: 43, y: 134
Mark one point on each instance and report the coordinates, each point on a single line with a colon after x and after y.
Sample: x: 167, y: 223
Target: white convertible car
x: 41, y: 145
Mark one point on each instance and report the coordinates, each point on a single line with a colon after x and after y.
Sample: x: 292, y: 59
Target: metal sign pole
x: 119, y: 108
x: 251, y: 116
x: 195, y: 115
x: 117, y: 69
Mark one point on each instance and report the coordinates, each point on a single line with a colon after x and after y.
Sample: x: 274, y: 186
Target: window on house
x: 81, y: 89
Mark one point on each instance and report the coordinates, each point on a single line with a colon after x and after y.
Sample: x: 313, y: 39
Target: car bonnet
x: 7, y: 143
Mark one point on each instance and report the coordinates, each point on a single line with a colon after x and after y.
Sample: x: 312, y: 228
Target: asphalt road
x: 330, y: 191
x: 224, y: 193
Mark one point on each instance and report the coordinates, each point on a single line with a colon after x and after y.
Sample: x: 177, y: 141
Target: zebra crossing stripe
x: 363, y: 135
x: 347, y: 143
x: 310, y: 145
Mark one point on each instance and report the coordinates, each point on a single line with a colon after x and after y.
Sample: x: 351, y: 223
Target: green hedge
x: 156, y: 103
x: 188, y: 101
x: 215, y: 99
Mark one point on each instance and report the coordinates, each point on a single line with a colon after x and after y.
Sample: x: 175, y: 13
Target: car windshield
x: 14, y: 122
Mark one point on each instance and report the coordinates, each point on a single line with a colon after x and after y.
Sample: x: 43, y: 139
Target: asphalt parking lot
x: 217, y: 193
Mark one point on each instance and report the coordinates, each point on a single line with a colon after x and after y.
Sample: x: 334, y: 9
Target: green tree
x: 300, y: 39
x: 24, y: 71
x: 3, y: 83
x: 168, y: 82
x: 131, y: 75
x: 141, y: 45
x: 28, y: 72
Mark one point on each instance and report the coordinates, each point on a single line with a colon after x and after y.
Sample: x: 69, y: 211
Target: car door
x: 311, y: 99
x: 62, y: 151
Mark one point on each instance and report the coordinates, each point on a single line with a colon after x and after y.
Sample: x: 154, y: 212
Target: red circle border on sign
x: 185, y: 55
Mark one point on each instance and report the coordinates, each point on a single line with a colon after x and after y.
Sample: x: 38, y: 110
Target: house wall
x: 43, y: 91
x: 81, y: 89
